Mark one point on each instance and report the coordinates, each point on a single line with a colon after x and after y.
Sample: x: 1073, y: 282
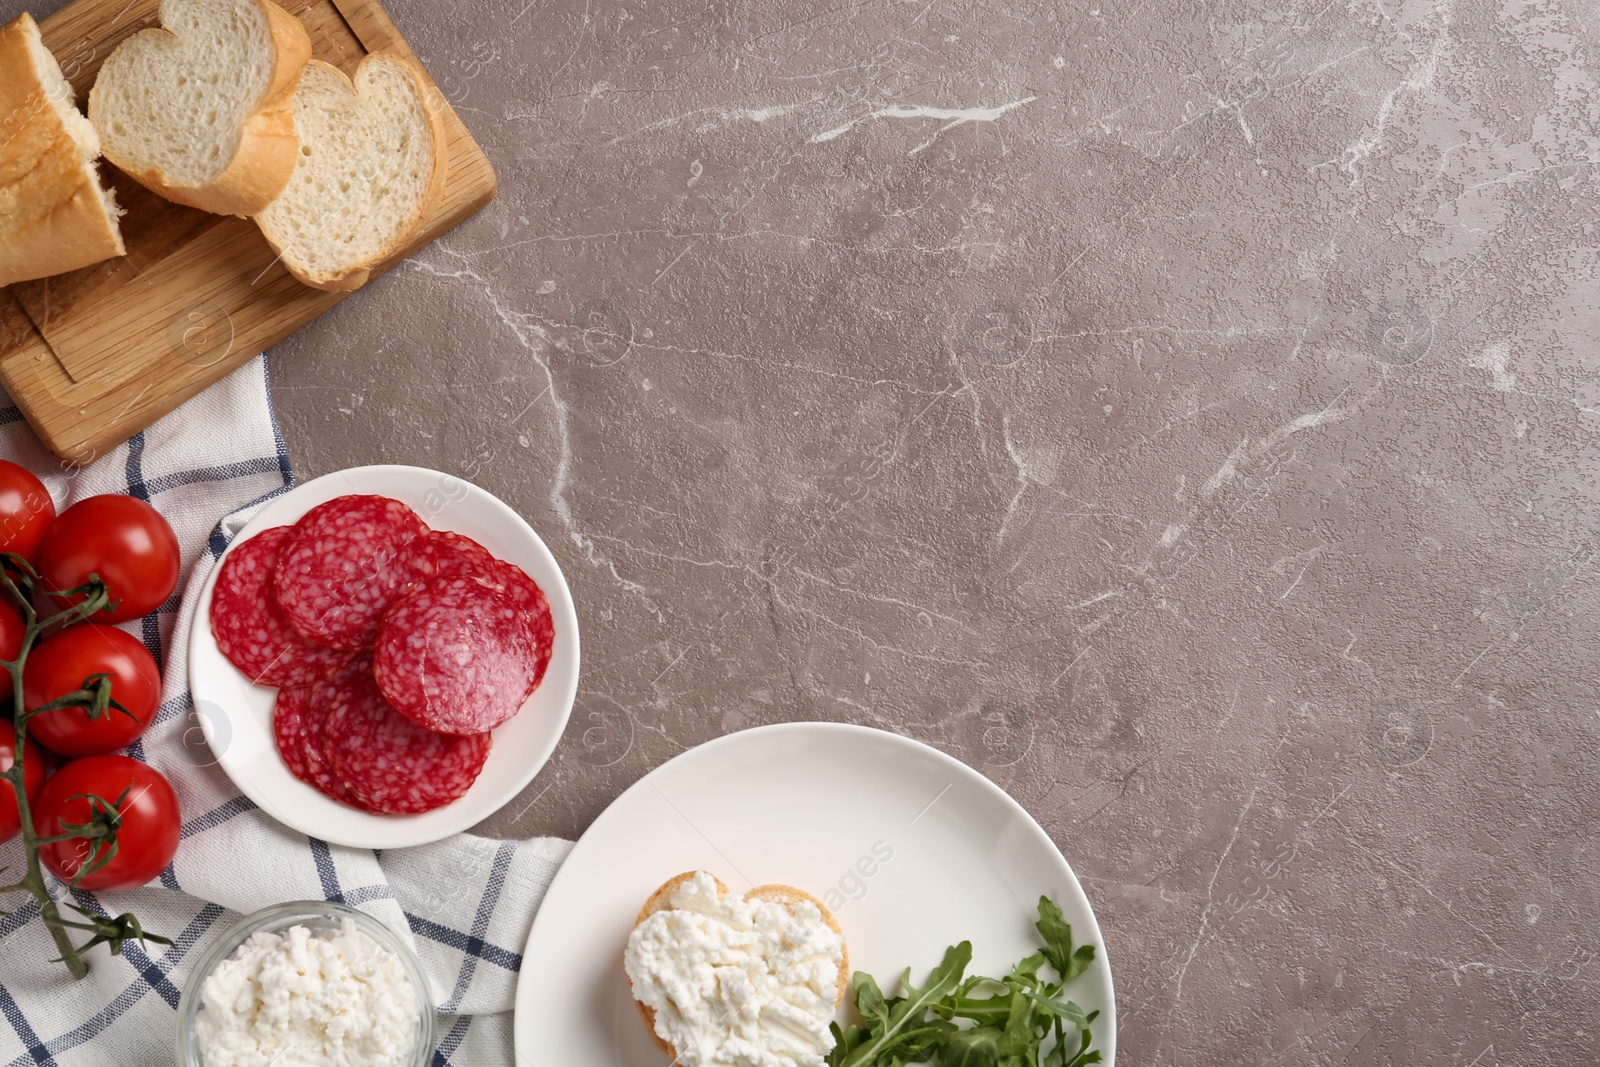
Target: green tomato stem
x: 33, y: 880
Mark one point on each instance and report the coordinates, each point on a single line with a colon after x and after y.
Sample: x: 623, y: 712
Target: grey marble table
x: 1186, y: 413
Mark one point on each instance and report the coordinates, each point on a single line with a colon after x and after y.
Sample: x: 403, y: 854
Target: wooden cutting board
x: 94, y: 356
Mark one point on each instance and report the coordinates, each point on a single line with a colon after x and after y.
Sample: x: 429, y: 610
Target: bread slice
x: 372, y: 161
x: 201, y: 110
x: 788, y: 895
x: 55, y: 215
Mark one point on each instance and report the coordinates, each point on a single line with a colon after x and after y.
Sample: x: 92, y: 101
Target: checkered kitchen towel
x: 466, y: 902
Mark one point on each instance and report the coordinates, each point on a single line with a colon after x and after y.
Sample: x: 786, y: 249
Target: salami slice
x: 455, y: 554
x: 314, y: 727
x: 456, y: 655
x: 289, y: 714
x: 392, y: 764
x: 252, y: 630
x: 345, y: 562
x: 535, y: 610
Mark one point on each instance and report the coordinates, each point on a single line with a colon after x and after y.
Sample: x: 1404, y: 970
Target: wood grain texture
x: 93, y: 356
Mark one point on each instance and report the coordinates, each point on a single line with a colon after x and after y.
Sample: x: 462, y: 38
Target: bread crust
x: 268, y: 147
x: 661, y: 900
x: 52, y: 216
x: 359, y: 275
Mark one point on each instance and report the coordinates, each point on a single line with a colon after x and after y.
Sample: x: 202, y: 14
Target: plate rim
x: 1107, y: 1040
x: 200, y: 632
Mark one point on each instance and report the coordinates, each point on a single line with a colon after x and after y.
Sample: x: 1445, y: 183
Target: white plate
x: 236, y: 715
x: 818, y: 806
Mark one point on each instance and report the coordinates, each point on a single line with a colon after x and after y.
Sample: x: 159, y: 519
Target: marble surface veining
x: 1186, y: 413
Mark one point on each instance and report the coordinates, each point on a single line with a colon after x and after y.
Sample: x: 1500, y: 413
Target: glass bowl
x: 316, y: 915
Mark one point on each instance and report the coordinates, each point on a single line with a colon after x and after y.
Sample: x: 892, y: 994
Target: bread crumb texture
x: 177, y: 102
x: 364, y: 171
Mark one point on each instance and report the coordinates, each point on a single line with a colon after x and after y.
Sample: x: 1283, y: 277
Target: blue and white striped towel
x: 466, y: 903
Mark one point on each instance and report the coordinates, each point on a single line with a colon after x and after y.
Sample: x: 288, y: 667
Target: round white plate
x: 911, y: 849
x: 236, y: 716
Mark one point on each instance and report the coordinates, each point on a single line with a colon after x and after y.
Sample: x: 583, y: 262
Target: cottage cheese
x: 737, y: 983
x: 334, y: 998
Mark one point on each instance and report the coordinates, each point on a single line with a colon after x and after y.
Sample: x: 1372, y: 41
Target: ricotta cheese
x: 333, y: 998
x: 737, y: 983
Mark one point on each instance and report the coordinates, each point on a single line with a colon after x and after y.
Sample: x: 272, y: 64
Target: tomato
x: 32, y: 778
x: 26, y: 511
x: 147, y: 839
x: 59, y: 664
x: 123, y: 540
x: 12, y: 631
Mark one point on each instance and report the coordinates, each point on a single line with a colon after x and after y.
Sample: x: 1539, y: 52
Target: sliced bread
x: 372, y: 161
x: 55, y: 215
x: 201, y: 110
x: 786, y: 896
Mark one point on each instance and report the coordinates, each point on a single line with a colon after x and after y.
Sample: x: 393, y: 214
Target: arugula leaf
x: 960, y: 1020
x: 911, y: 1008
x: 846, y: 1039
x: 1057, y: 934
x: 869, y: 998
x: 1020, y: 1036
x: 942, y: 979
x: 978, y: 1047
x: 992, y: 1010
x: 1051, y: 1008
x: 1026, y: 972
x: 922, y: 1044
x: 1082, y: 1057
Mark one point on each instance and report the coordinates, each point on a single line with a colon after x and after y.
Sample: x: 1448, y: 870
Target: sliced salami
x: 456, y: 655
x: 535, y: 610
x: 289, y: 713
x: 392, y: 764
x: 314, y: 737
x: 345, y: 562
x: 252, y: 630
x: 455, y: 554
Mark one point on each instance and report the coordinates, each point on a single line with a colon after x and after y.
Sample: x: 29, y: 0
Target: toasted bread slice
x: 55, y: 215
x: 788, y: 895
x: 201, y: 110
x: 372, y: 161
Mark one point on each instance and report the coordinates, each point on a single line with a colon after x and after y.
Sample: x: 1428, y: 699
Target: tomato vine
x: 18, y: 580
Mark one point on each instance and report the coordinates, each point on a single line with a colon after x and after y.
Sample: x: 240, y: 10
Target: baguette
x: 371, y: 164
x: 55, y: 215
x: 785, y: 895
x: 200, y: 111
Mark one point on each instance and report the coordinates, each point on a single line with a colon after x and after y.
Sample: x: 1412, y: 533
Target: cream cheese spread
x: 737, y: 983
x: 331, y: 998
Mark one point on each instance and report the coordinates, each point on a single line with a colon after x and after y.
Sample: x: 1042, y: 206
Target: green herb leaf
x: 1065, y: 1010
x: 957, y: 1020
x: 978, y: 1047
x: 908, y: 1011
x: 1020, y: 1036
x: 869, y: 999
x: 1026, y: 972
x: 1082, y: 1057
x: 1057, y: 934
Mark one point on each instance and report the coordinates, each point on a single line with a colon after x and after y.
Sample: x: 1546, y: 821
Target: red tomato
x: 147, y: 839
x: 59, y: 664
x: 12, y: 631
x: 26, y: 510
x: 123, y: 540
x: 32, y: 779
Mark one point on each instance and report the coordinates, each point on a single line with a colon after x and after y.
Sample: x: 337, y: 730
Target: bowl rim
x: 279, y: 917
x: 286, y: 799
